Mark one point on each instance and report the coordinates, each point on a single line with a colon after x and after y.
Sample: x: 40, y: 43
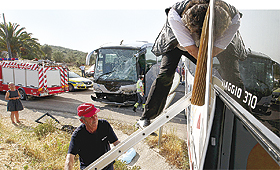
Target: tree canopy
x: 24, y: 46
x: 21, y: 42
x: 48, y: 52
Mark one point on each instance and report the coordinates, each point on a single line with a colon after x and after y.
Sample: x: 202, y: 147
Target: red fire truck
x: 33, y: 78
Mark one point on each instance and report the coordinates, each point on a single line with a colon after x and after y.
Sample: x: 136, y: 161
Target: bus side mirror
x: 141, y: 52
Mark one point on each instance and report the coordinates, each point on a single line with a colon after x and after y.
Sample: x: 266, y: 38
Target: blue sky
x: 86, y: 24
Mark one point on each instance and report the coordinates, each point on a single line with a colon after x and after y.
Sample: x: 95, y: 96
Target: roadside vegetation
x: 44, y: 146
x: 21, y: 42
x: 33, y: 146
x: 24, y: 46
x: 37, y: 146
x: 172, y: 148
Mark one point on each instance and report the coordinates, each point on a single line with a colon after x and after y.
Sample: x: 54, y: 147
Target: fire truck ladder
x: 141, y: 134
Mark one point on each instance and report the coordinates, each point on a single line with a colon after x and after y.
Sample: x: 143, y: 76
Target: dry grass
x: 42, y: 146
x: 119, y: 165
x: 124, y: 127
x: 172, y: 148
x: 23, y: 148
x: 37, y: 146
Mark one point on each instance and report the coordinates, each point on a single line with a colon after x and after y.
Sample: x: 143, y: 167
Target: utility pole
x: 7, y: 40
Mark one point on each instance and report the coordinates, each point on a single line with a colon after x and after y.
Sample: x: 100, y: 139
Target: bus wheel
x: 71, y: 87
x: 22, y: 94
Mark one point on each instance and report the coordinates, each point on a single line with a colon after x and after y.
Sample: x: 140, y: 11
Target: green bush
x: 44, y: 129
x: 119, y: 165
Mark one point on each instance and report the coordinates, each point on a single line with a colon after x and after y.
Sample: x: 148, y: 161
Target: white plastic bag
x: 128, y: 156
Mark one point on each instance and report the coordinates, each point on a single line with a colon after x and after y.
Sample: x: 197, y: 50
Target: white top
x: 185, y: 38
x: 82, y: 67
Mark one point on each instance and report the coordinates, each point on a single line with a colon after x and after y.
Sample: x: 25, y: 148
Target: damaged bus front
x: 117, y: 68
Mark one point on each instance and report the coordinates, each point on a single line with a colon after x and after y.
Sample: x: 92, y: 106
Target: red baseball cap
x: 87, y: 110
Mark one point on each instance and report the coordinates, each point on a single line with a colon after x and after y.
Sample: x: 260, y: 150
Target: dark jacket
x: 166, y: 40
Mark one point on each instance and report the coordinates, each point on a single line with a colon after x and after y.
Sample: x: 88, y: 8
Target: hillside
x: 67, y: 51
x: 67, y: 55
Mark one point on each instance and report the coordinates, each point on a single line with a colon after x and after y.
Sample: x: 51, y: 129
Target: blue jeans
x: 83, y: 73
x: 141, y: 99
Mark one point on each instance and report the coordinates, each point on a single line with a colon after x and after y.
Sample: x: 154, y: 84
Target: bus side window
x: 141, y: 62
x: 276, y: 75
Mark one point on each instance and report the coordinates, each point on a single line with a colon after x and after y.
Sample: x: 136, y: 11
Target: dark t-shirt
x: 90, y: 146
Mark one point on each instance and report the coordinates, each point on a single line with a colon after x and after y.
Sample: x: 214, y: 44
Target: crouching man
x: 91, y: 139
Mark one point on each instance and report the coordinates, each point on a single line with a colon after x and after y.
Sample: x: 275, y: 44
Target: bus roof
x: 262, y: 55
x: 132, y: 45
x: 257, y: 54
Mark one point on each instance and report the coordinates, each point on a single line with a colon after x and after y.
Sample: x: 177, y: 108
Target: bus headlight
x: 128, y: 89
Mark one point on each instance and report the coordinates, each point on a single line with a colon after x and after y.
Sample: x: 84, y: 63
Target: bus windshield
x: 257, y: 75
x: 116, y: 64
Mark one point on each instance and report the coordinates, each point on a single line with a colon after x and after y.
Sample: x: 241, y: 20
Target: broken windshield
x: 116, y: 64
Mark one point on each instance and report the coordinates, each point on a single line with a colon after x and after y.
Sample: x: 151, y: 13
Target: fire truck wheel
x: 22, y: 94
x: 71, y: 87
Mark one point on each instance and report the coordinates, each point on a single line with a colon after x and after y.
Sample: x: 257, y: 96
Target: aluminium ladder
x: 141, y: 134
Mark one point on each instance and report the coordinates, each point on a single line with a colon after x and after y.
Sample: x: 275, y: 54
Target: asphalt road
x: 68, y: 103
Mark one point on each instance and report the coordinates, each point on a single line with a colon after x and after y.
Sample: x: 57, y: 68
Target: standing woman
x: 14, y: 104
